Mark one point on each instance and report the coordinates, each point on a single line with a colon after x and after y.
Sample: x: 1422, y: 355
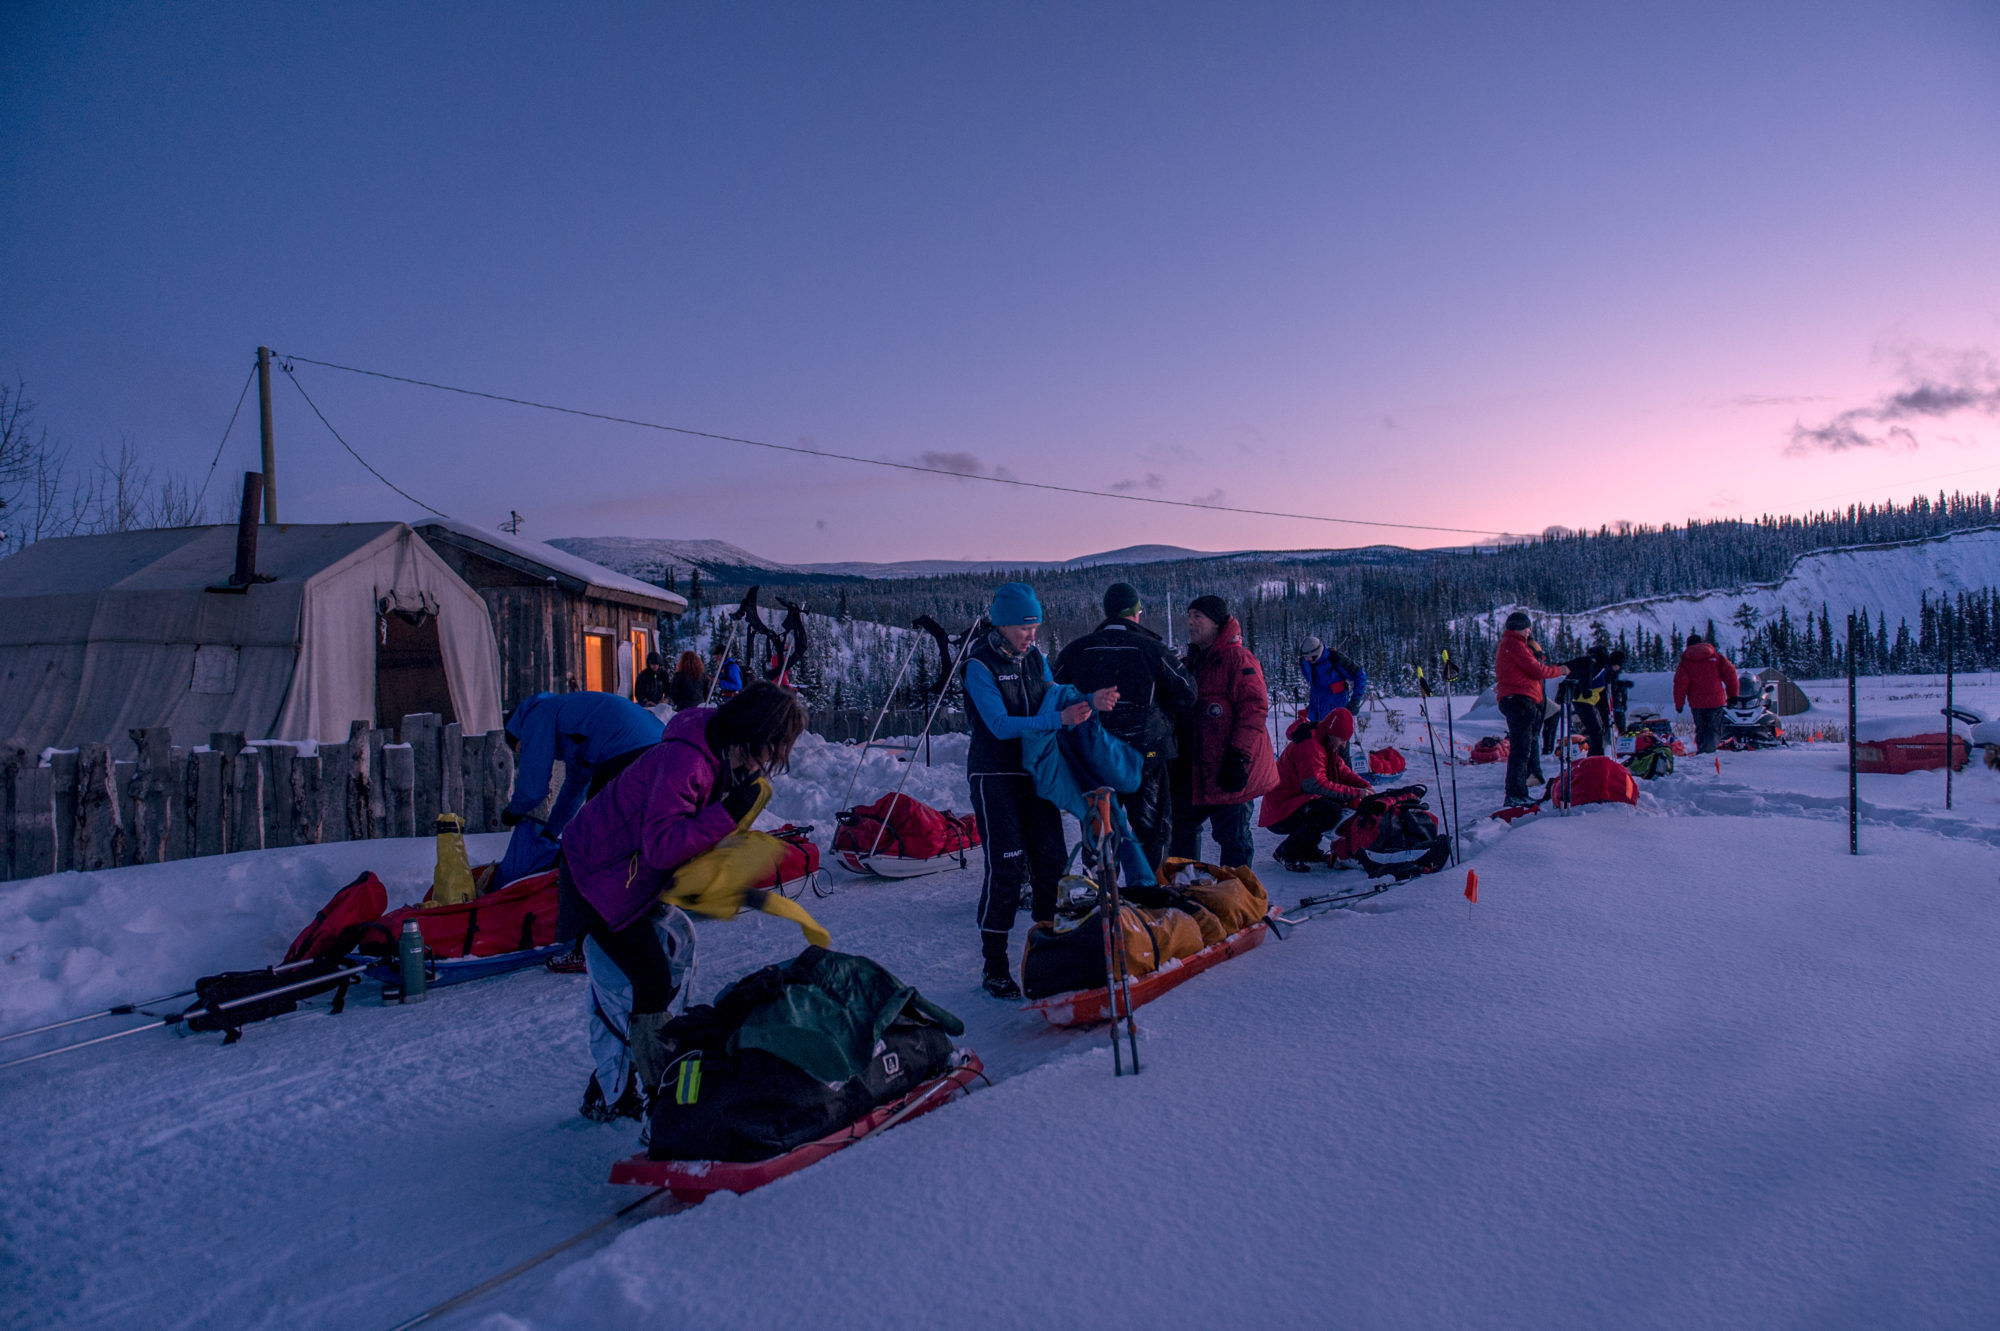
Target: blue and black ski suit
x: 1021, y: 832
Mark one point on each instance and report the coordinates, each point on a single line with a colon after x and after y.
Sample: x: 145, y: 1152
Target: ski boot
x: 598, y: 1110
x: 1000, y: 984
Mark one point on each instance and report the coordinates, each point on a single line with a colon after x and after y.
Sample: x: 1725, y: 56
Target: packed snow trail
x: 1731, y: 1079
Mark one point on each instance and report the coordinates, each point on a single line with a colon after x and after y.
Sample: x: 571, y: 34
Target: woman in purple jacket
x: 678, y: 800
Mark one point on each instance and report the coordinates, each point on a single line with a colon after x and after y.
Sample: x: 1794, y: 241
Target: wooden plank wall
x: 82, y: 810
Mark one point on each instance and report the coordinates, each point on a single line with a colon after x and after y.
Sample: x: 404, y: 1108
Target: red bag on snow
x: 519, y: 916
x: 801, y: 860
x: 915, y: 830
x: 1492, y: 749
x: 342, y: 921
x: 1386, y: 762
x: 1600, y: 780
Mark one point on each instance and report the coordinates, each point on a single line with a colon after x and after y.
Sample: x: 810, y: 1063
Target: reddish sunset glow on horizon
x: 1456, y: 267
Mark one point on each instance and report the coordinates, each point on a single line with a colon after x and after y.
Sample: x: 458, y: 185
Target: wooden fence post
x: 208, y: 811
x: 400, y: 762
x: 277, y: 762
x: 13, y: 759
x: 472, y: 780
x: 179, y: 844
x: 451, y: 775
x: 34, y: 821
x: 62, y: 773
x: 336, y: 779
x: 362, y: 777
x: 420, y: 732
x: 122, y: 774
x: 498, y: 783
x: 378, y: 776
x: 305, y: 811
x: 96, y: 811
x: 246, y: 801
x: 151, y: 829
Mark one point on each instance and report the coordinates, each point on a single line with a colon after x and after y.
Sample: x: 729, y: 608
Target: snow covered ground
x: 1688, y: 1064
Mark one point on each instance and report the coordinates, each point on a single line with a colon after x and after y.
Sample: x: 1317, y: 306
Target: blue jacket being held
x: 1065, y: 763
x: 581, y: 730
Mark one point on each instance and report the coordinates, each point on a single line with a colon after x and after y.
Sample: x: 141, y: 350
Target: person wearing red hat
x: 1316, y: 789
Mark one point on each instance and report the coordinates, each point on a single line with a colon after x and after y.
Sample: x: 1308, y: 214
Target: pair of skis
x: 1110, y: 909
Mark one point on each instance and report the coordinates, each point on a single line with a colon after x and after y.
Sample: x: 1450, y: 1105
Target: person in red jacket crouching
x: 1706, y: 681
x: 1316, y: 791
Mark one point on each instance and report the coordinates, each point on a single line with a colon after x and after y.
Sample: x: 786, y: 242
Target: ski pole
x: 1109, y: 842
x: 876, y: 729
x: 929, y: 721
x: 130, y: 1009
x: 121, y: 1010
x: 1424, y: 707
x: 177, y: 1018
x: 1451, y: 738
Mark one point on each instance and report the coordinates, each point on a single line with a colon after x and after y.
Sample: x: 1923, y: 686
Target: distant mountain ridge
x: 721, y: 561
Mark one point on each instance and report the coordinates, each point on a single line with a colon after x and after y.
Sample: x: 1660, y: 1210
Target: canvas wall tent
x: 100, y: 635
x: 562, y: 622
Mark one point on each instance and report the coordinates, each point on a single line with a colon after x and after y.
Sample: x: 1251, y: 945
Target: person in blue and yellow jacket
x: 1006, y: 678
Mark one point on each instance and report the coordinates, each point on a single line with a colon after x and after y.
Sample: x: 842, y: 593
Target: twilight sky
x: 1482, y: 266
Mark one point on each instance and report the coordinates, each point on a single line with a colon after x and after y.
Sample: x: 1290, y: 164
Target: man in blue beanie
x: 1006, y: 678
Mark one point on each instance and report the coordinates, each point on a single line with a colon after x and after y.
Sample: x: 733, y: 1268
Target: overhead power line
x: 290, y: 374
x: 871, y: 462
x: 226, y: 430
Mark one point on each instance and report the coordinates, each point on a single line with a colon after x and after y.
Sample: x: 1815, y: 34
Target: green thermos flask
x: 410, y: 952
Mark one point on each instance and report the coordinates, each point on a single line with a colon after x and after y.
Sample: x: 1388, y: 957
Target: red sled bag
x: 1386, y: 762
x: 1599, y: 780
x: 1492, y: 749
x: 914, y: 831
x: 519, y: 916
x: 342, y: 922
x: 800, y: 867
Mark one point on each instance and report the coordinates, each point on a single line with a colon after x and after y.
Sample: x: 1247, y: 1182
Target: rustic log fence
x: 81, y: 809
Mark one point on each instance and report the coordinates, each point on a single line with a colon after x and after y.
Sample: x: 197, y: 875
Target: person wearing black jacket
x: 1154, y: 689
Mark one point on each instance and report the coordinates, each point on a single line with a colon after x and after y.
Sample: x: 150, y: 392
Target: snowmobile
x: 1749, y: 721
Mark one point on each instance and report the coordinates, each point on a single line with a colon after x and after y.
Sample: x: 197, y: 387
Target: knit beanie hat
x: 1120, y: 598
x: 1214, y: 607
x: 1014, y: 604
x: 1339, y: 723
x: 1519, y: 620
x: 1311, y: 648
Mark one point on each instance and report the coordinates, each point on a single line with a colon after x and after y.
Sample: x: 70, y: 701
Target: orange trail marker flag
x: 1472, y: 885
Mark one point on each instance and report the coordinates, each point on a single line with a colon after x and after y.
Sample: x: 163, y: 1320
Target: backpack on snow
x: 1492, y: 749
x: 1402, y: 841
x: 1061, y: 961
x: 342, y: 922
x: 1655, y: 760
x: 1386, y: 762
x: 735, y: 1088
x: 1598, y: 780
x: 800, y: 867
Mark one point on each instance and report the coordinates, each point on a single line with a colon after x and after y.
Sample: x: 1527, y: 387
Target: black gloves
x: 1234, y: 774
x: 742, y: 796
x: 508, y: 818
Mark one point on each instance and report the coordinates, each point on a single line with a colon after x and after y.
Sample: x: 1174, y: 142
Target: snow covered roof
x: 516, y: 551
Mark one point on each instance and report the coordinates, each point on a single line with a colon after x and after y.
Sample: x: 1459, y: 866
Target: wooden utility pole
x: 270, y: 435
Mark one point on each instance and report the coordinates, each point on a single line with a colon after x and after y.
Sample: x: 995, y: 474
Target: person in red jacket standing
x: 1316, y: 788
x: 1519, y: 669
x: 1706, y: 681
x: 1227, y: 762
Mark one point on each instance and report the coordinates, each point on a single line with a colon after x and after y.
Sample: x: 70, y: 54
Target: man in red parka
x: 1706, y: 681
x: 1227, y: 762
x: 1316, y: 788
x: 1519, y: 669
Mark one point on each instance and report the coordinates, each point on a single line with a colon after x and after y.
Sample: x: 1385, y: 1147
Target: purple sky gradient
x: 1497, y: 267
